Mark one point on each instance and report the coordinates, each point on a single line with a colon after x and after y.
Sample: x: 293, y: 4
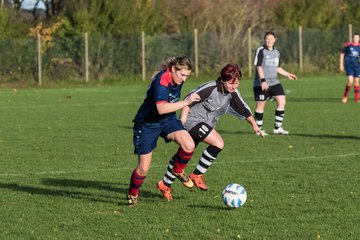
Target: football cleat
x: 165, y: 190
x: 199, y: 181
x: 132, y: 200
x: 184, y: 179
x: 344, y: 99
x: 280, y: 131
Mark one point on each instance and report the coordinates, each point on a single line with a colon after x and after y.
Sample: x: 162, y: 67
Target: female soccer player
x: 216, y: 98
x: 266, y: 83
x: 350, y: 53
x: 156, y: 117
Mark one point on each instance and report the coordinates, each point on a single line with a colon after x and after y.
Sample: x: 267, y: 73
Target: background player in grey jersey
x: 266, y: 83
x: 216, y: 98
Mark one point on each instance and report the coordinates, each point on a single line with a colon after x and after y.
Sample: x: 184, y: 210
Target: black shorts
x: 276, y: 90
x: 200, y: 131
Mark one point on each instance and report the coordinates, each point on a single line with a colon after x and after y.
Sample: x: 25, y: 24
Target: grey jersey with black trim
x: 214, y: 103
x: 269, y: 60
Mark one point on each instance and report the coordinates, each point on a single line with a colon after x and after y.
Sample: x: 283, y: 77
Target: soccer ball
x: 234, y: 195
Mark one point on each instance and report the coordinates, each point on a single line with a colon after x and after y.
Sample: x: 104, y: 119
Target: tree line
x: 116, y: 18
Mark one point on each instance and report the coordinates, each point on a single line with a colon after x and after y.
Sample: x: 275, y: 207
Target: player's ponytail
x: 180, y: 63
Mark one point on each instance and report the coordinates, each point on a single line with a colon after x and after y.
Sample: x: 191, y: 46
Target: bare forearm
x: 283, y: 72
x: 184, y: 114
x: 251, y: 121
x: 341, y: 60
x: 286, y: 73
x: 164, y: 108
x: 260, y: 72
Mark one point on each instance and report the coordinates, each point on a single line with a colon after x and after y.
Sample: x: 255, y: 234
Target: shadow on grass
x: 322, y: 136
x: 103, y: 186
x: 212, y: 208
x: 107, y: 186
x: 349, y: 137
x: 315, y: 99
x: 67, y: 190
x: 221, y: 131
x: 126, y: 127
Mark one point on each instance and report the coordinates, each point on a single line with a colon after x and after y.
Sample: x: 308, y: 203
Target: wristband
x: 262, y: 80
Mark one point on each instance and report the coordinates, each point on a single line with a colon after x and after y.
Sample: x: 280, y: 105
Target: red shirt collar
x: 166, y: 78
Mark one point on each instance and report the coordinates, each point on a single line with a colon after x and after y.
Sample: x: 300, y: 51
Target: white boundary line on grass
x: 157, y: 165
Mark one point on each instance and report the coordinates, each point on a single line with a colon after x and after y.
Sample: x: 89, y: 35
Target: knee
x: 281, y: 104
x: 188, y: 146
x: 260, y: 107
x: 142, y: 171
x: 220, y: 144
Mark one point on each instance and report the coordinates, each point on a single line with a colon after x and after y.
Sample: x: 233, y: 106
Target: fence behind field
x: 97, y: 58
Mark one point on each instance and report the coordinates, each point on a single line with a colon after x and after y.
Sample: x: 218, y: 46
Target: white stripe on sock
x: 206, y: 162
x: 168, y: 181
x: 170, y: 174
x: 208, y: 155
x: 201, y: 169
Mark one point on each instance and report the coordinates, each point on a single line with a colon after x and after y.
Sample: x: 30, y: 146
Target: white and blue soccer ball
x: 234, y: 195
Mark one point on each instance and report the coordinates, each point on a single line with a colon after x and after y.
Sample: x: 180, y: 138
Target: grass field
x: 66, y: 158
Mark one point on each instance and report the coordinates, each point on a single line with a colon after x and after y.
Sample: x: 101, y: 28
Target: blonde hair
x: 180, y: 63
x: 165, y: 64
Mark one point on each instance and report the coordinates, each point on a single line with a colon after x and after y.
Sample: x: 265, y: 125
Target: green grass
x: 66, y: 158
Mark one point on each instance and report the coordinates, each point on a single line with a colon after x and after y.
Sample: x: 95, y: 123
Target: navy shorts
x: 352, y: 71
x: 276, y: 90
x: 146, y: 134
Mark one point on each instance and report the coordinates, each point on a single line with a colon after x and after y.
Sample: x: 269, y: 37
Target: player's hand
x: 264, y: 86
x: 194, y: 97
x: 259, y: 132
x: 292, y: 76
x: 341, y: 68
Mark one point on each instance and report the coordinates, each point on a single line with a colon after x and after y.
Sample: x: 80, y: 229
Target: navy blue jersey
x: 161, y: 89
x: 351, y: 52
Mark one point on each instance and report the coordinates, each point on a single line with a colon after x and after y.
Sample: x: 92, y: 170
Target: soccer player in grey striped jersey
x: 216, y: 98
x: 266, y: 83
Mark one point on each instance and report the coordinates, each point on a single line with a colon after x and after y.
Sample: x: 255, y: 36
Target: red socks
x: 135, y: 183
x: 356, y: 92
x: 347, y: 89
x: 181, y: 160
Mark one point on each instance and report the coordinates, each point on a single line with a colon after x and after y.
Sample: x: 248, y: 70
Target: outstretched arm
x: 166, y: 107
x: 255, y: 127
x: 287, y: 74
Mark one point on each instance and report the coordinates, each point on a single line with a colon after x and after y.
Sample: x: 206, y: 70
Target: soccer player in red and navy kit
x: 217, y: 98
x: 156, y: 118
x: 349, y: 58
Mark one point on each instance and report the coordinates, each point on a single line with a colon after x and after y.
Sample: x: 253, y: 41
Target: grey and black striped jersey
x: 214, y: 103
x: 269, y: 60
